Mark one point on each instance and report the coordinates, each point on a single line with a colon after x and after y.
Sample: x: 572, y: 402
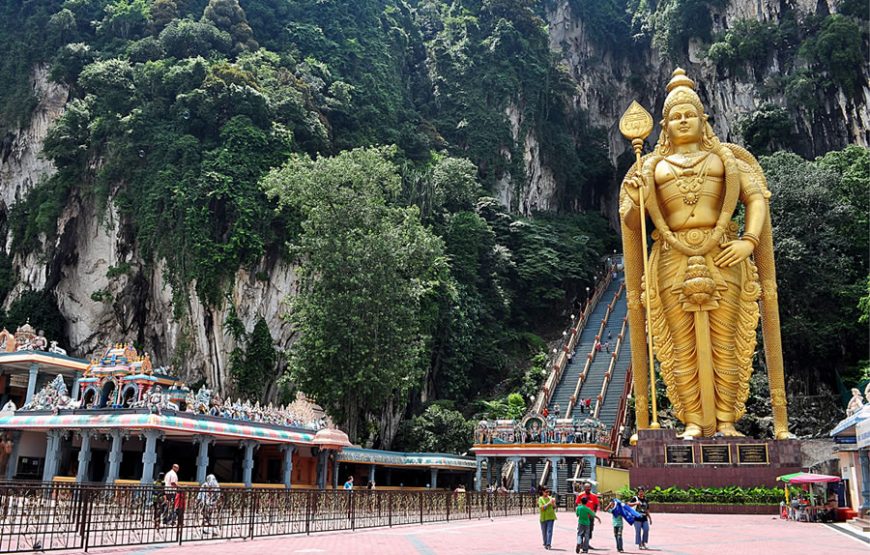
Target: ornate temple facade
x: 117, y: 419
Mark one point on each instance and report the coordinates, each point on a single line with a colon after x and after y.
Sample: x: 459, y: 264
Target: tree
x: 253, y: 369
x: 821, y: 259
x: 366, y: 268
x: 229, y: 16
x: 439, y: 429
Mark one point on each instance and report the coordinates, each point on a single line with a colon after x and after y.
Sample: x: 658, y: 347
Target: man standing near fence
x: 170, y: 485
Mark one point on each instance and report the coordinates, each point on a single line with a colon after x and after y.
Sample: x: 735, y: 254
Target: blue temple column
x: 149, y: 455
x: 31, y: 382
x: 287, y: 464
x: 202, y: 457
x: 554, y: 472
x: 84, y: 457
x: 12, y: 463
x: 248, y: 464
x: 864, y: 458
x: 517, y: 463
x: 489, y: 462
x: 336, y: 469
x: 433, y: 478
x: 322, y: 468
x: 76, y: 388
x: 478, y: 473
x: 372, y: 469
x: 115, y: 455
x: 53, y: 440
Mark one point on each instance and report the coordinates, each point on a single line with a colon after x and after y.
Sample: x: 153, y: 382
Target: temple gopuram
x: 117, y: 419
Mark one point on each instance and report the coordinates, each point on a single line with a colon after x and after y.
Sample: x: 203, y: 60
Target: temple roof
x: 395, y: 458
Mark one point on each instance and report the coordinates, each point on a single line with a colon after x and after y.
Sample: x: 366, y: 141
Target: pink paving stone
x: 676, y: 534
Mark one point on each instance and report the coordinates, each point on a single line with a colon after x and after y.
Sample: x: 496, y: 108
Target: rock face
x: 107, y: 292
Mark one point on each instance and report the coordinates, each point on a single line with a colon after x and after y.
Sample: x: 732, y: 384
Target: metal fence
x: 42, y: 517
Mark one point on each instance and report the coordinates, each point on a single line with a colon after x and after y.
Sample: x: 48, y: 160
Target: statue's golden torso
x: 689, y: 189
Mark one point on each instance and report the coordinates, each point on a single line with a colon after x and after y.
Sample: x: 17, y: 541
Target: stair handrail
x: 559, y: 363
x: 591, y: 355
x: 614, y: 356
x: 621, y: 412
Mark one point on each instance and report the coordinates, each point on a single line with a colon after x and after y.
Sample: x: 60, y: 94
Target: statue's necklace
x: 689, y: 181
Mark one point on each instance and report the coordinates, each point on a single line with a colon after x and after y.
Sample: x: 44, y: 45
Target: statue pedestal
x: 662, y: 459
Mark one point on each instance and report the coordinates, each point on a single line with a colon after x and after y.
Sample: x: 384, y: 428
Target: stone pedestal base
x: 711, y: 462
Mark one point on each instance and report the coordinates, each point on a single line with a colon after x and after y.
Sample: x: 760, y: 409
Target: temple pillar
x: 554, y: 472
x: 202, y: 457
x: 489, y: 463
x: 372, y: 470
x: 517, y: 463
x: 12, y: 462
x: 433, y: 478
x: 248, y: 464
x: 84, y: 457
x: 593, y: 474
x: 31, y: 382
x: 76, y: 388
x: 336, y: 466
x: 149, y: 455
x: 53, y: 440
x: 864, y: 458
x: 322, y: 466
x: 287, y: 464
x: 478, y: 473
x: 115, y: 455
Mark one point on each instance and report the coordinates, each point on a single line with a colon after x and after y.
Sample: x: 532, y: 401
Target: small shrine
x: 123, y: 377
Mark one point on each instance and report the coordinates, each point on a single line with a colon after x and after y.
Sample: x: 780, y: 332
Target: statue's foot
x: 727, y: 429
x: 785, y: 435
x: 691, y: 432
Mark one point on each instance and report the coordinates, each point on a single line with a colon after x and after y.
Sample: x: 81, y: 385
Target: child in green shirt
x: 584, y: 520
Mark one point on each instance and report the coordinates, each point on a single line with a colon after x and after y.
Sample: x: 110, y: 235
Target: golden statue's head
x: 683, y: 118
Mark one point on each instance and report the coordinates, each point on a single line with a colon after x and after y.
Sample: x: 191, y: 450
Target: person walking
x: 591, y: 501
x: 644, y: 521
x: 547, y: 509
x: 208, y: 496
x: 348, y: 485
x: 616, y: 521
x: 586, y: 518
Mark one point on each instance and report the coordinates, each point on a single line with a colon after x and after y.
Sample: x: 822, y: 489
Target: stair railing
x: 560, y: 362
x: 621, y: 412
x: 614, y: 356
x: 591, y: 355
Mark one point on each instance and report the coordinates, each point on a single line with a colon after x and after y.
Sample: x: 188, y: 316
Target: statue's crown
x: 680, y: 79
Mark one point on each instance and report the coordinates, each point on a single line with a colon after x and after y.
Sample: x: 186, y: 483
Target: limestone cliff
x: 106, y: 290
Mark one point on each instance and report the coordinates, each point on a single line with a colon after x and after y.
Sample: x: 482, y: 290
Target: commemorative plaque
x: 715, y: 454
x: 752, y: 454
x: 679, y: 454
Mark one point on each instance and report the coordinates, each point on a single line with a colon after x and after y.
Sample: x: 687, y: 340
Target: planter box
x: 713, y: 508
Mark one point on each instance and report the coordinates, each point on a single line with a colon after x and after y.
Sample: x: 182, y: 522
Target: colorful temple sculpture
x: 118, y: 419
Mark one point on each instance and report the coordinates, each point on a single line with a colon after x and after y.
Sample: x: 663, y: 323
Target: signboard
x: 715, y: 454
x: 679, y: 454
x: 752, y: 454
x: 862, y: 433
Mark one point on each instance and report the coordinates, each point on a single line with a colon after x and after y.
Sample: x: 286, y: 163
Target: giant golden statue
x: 703, y: 286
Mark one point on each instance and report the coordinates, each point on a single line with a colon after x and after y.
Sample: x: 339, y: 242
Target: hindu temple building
x: 117, y: 419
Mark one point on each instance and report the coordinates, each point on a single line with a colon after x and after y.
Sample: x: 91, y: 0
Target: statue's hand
x: 634, y: 183
x: 734, y: 253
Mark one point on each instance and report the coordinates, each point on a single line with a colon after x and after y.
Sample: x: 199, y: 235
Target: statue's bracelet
x: 751, y: 237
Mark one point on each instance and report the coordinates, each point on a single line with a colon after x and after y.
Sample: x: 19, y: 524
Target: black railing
x: 42, y: 517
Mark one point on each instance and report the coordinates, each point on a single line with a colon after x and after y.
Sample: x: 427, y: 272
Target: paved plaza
x: 677, y: 534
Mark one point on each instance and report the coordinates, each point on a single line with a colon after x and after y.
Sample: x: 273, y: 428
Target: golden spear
x: 635, y: 125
